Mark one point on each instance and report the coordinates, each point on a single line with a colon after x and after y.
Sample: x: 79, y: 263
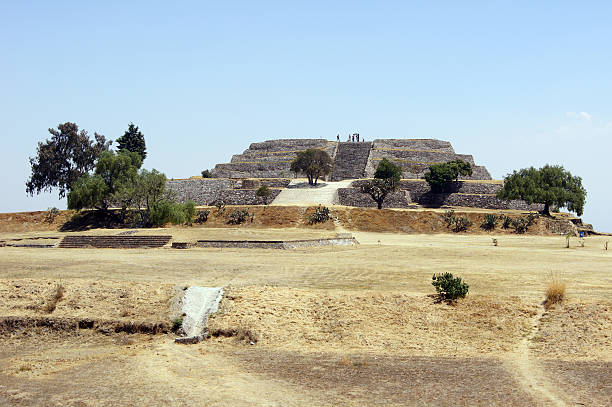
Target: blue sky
x: 513, y: 83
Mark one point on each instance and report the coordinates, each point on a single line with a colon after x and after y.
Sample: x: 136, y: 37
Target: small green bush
x: 489, y: 222
x: 264, y: 192
x: 206, y: 174
x: 239, y: 216
x: 321, y: 215
x: 448, y: 287
x: 176, y: 324
x: 165, y: 211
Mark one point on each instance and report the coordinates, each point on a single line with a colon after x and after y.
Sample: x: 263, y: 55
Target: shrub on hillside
x: 321, y: 215
x: 449, y: 287
x: 239, y: 216
x: 51, y: 214
x: 520, y: 225
x: 165, y: 211
x: 202, y: 216
x: 449, y: 217
x: 506, y: 222
x: 489, y: 222
x: 206, y: 174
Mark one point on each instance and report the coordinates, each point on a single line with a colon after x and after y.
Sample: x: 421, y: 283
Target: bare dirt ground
x: 334, y: 326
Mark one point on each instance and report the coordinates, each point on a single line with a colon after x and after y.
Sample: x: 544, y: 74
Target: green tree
x: 314, y: 163
x: 207, y: 174
x: 133, y: 140
x: 61, y: 160
x: 112, y: 183
x: 386, y: 180
x: 549, y: 185
x: 264, y: 192
x: 441, y: 176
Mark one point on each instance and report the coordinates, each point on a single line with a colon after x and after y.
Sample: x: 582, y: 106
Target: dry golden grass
x: 56, y: 296
x: 555, y: 291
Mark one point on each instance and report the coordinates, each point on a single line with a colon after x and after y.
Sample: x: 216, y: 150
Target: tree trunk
x: 379, y: 203
x: 546, y: 210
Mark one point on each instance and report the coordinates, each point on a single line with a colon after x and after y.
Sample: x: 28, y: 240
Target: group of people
x: 352, y: 138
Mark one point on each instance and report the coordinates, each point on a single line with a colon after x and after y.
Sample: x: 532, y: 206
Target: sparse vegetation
x: 220, y: 205
x: 264, y: 192
x: 520, y: 225
x: 555, y: 292
x: 51, y: 214
x: 489, y: 222
x: 207, y: 174
x: 239, y: 216
x: 449, y: 287
x: 321, y: 215
x: 457, y: 224
x: 506, y: 221
x: 177, y: 323
x: 202, y: 216
x: 56, y: 296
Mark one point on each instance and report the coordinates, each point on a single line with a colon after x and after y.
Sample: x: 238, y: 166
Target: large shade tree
x: 64, y: 158
x: 314, y: 163
x: 386, y: 180
x: 549, y: 185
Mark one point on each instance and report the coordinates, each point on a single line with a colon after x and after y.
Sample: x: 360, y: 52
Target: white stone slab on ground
x: 198, y: 304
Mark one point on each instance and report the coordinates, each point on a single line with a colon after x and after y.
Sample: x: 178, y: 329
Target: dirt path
x: 529, y: 373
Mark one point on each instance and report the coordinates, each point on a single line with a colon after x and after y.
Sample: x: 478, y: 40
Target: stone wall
x: 270, y: 159
x: 354, y: 197
x: 278, y: 244
x: 465, y: 194
x: 207, y: 191
x: 202, y: 191
x: 415, y: 156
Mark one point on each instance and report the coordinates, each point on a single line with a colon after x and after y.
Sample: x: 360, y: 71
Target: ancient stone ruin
x: 268, y: 163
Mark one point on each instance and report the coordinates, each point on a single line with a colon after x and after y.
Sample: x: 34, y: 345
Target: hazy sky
x: 515, y: 84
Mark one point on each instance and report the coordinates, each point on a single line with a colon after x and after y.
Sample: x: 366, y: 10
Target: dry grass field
x: 333, y: 326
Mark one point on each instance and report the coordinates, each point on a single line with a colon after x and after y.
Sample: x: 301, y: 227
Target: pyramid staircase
x: 350, y: 161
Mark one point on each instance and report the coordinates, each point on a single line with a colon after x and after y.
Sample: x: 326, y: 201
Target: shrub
x: 264, y: 192
x: 202, y: 216
x: 531, y: 218
x: 458, y: 224
x: 220, y: 205
x: 490, y: 221
x: 321, y: 215
x: 56, y: 296
x: 448, y: 287
x: 165, y: 211
x: 449, y: 218
x: 461, y: 224
x: 555, y: 292
x: 239, y: 216
x: 506, y: 221
x: 519, y: 225
x: 177, y: 323
x: 51, y: 214
x: 206, y: 174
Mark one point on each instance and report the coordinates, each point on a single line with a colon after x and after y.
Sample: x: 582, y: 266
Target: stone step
x: 117, y: 242
x: 350, y: 161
